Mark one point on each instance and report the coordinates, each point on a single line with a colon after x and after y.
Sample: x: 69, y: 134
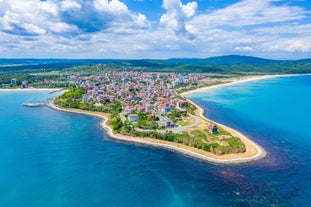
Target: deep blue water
x: 51, y: 158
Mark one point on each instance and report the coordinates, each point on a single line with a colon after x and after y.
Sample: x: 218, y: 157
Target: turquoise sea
x: 52, y: 158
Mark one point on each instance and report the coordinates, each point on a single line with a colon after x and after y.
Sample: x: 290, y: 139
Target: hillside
x: 34, y: 69
x: 223, y: 64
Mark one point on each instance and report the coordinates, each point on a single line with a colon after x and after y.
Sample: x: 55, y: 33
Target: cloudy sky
x: 275, y: 29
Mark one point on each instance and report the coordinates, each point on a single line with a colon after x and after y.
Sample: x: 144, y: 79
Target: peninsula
x: 147, y: 108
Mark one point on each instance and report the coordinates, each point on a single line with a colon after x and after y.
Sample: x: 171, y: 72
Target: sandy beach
x: 253, y: 152
x: 29, y: 89
x: 250, y: 155
x: 234, y: 81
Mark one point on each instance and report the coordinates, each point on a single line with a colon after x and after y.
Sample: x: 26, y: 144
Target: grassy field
x: 183, y: 122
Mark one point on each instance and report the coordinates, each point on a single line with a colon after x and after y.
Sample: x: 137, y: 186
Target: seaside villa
x: 133, y: 117
x: 213, y: 129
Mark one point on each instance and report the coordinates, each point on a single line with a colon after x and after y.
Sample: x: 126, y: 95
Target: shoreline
x: 29, y: 89
x: 184, y: 150
x: 238, y: 81
x: 260, y: 151
x: 227, y: 159
x: 253, y: 152
x: 250, y: 145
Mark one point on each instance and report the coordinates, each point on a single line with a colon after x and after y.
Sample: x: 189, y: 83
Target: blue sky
x: 274, y: 29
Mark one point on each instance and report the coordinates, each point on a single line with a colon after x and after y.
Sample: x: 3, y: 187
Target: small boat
x: 33, y: 104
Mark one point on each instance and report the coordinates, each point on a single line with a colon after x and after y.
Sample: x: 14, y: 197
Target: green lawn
x: 183, y: 123
x: 198, y: 134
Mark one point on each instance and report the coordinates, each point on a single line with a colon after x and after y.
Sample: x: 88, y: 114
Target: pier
x: 34, y: 104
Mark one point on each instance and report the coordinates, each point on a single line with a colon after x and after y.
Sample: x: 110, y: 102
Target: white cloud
x: 70, y: 4
x: 177, y: 15
x: 298, y: 44
x: 111, y: 7
x: 34, y: 29
x: 288, y: 29
x: 249, y: 12
x: 121, y: 14
x: 60, y: 27
x: 26, y: 17
x: 110, y: 29
x: 243, y: 49
x: 45, y: 7
x: 67, y: 16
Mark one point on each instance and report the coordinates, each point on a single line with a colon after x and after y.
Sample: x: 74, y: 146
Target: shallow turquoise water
x: 51, y: 158
x: 276, y: 114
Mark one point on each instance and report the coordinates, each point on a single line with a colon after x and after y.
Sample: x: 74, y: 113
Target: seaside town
x: 147, y: 93
x: 143, y: 96
x: 146, y: 105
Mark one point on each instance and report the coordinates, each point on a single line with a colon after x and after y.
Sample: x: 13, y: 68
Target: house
x: 86, y: 98
x: 166, y: 109
x: 14, y: 81
x: 25, y: 83
x: 101, y: 92
x: 140, y: 108
x: 133, y: 117
x: 165, y: 122
x: 100, y: 98
x: 149, y: 107
x: 129, y: 110
x: 182, y: 104
x: 213, y: 129
x: 98, y: 104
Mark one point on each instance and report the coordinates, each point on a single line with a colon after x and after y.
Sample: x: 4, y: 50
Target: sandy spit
x: 183, y: 149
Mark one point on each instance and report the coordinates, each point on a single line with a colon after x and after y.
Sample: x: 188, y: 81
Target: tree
x: 117, y: 124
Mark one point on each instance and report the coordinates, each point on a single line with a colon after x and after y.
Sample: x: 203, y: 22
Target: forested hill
x: 221, y: 64
x: 224, y: 64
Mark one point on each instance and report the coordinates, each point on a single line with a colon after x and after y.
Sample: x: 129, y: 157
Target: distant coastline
x: 30, y: 89
x: 238, y: 81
